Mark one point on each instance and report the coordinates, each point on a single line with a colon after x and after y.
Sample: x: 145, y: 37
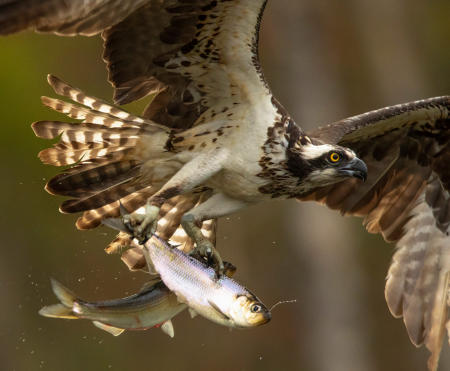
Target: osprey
x: 214, y: 140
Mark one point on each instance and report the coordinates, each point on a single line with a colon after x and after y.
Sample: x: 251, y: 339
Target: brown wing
x: 63, y: 17
x: 198, y: 56
x: 406, y: 199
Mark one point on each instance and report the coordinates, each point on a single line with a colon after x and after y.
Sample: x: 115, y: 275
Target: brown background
x: 325, y: 60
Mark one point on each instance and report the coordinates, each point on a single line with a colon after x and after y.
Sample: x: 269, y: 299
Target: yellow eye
x: 335, y: 157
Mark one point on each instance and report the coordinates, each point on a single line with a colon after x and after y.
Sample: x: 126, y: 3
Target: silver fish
x: 154, y: 306
x: 222, y: 300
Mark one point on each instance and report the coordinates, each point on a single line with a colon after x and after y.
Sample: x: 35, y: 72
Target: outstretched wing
x: 199, y: 57
x: 406, y: 198
x: 63, y: 17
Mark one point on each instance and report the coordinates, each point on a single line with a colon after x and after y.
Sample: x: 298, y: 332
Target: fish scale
x: 221, y: 300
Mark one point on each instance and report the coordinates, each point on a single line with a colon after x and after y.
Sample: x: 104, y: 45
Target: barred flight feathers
x: 406, y: 198
x: 92, y: 218
x: 67, y: 18
x: 106, y: 153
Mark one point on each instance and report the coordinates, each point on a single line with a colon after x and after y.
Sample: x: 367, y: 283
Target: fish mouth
x: 265, y: 317
x: 355, y: 168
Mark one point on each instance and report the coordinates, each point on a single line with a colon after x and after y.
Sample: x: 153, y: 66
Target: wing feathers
x: 415, y: 286
x: 106, y: 153
x: 63, y: 17
x: 104, y: 197
x: 62, y: 88
x: 406, y: 199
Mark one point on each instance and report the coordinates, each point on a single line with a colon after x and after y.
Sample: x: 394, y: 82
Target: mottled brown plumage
x: 406, y: 199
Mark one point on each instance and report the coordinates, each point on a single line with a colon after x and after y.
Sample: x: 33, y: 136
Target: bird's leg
x: 216, y: 206
x: 142, y: 226
x: 193, y: 173
x: 203, y: 247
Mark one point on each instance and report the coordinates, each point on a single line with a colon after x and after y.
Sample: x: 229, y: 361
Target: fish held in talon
x: 223, y: 300
x: 154, y: 306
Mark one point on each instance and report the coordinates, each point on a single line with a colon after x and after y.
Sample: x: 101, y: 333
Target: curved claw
x: 142, y: 226
x: 206, y: 249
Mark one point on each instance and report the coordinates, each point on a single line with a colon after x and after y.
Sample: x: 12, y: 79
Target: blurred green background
x: 325, y: 60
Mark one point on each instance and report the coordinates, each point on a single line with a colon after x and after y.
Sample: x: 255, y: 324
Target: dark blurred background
x: 325, y: 60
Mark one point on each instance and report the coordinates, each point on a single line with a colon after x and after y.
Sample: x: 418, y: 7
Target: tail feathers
x: 57, y: 311
x: 83, y: 142
x: 100, y: 199
x: 106, y: 151
x: 88, y: 115
x: 93, y: 179
x: 66, y: 296
x: 62, y: 88
x: 93, y: 109
x: 122, y: 242
x: 62, y: 155
x: 83, y: 132
x: 131, y: 202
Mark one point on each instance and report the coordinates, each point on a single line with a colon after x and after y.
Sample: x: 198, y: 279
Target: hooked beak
x: 355, y: 168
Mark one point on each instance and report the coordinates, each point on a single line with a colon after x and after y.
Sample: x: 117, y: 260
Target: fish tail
x: 65, y: 309
x: 66, y: 296
x: 57, y: 311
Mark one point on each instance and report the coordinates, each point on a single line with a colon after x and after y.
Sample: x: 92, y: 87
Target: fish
x: 154, y: 306
x: 219, y: 299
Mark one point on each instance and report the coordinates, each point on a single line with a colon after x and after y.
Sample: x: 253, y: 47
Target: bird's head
x: 325, y: 164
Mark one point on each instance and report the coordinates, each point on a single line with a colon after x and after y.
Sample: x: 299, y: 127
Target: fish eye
x: 334, y: 157
x: 256, y: 308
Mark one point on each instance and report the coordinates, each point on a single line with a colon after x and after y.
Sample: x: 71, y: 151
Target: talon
x: 142, y: 226
x: 203, y: 247
x: 206, y: 249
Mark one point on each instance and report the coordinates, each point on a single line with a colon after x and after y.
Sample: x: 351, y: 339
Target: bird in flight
x: 214, y: 140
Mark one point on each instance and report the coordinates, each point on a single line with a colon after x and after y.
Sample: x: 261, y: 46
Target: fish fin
x: 66, y: 296
x: 192, y: 313
x: 57, y: 311
x: 116, y: 331
x: 218, y: 310
x: 167, y: 328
